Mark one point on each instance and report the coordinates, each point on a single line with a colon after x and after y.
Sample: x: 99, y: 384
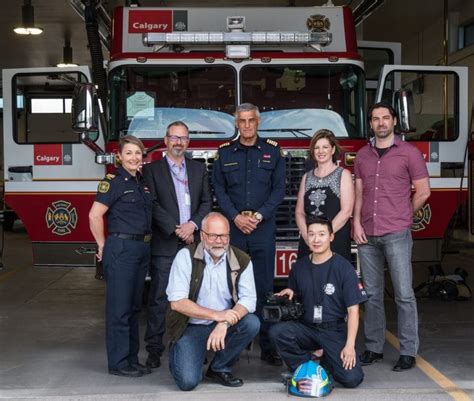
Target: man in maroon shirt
x: 385, y: 171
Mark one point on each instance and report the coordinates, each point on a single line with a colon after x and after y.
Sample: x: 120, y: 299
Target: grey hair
x: 247, y: 107
x: 213, y: 215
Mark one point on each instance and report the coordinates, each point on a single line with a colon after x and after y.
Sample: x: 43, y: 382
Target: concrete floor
x: 52, y: 344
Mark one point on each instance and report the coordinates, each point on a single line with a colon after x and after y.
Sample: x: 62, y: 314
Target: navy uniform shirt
x: 333, y: 284
x: 249, y: 178
x: 129, y: 202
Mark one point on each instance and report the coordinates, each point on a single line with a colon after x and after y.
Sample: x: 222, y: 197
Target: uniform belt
x: 250, y: 213
x: 329, y: 325
x: 133, y: 237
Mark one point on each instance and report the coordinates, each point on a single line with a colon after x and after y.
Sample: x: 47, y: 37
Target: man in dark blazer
x: 180, y: 189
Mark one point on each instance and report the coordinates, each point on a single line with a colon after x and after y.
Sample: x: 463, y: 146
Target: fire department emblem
x: 421, y: 218
x: 318, y: 23
x: 61, y: 217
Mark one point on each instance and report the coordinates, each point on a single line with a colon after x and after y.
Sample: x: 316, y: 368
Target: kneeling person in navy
x: 212, y: 295
x: 127, y: 203
x: 330, y: 291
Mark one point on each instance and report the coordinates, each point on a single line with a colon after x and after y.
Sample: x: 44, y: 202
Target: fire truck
x: 302, y: 66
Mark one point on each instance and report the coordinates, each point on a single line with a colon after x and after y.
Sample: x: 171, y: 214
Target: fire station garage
x: 78, y: 75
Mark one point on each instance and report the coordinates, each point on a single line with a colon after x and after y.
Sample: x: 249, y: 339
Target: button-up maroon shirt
x: 386, y: 183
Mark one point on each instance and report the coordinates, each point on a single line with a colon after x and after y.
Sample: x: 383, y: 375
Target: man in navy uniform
x: 327, y: 285
x: 249, y: 184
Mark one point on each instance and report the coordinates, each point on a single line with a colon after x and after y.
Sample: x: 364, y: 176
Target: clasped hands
x: 246, y: 224
x: 185, y: 232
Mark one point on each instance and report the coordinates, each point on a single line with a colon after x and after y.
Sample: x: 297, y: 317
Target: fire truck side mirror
x: 405, y: 108
x: 85, y: 108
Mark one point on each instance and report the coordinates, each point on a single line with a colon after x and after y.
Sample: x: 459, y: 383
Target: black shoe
x: 153, y: 361
x: 224, y: 378
x: 127, y: 371
x: 286, y: 377
x: 146, y: 370
x: 369, y: 357
x: 272, y: 358
x: 405, y: 362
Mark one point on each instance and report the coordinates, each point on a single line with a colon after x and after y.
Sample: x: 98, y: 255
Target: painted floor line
x: 434, y: 374
x: 7, y: 275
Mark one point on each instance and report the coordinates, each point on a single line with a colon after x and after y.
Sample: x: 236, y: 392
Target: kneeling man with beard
x: 212, y: 295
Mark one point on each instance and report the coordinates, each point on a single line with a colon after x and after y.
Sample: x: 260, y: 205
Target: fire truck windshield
x: 294, y: 100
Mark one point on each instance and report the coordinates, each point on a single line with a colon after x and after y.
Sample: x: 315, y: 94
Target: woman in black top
x: 327, y: 191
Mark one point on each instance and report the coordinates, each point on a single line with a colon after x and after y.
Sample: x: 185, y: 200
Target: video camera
x: 280, y: 308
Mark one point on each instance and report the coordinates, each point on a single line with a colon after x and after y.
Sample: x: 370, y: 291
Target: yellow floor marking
x: 4, y: 276
x: 434, y: 374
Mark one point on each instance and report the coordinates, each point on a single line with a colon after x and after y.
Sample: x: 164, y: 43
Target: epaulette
x: 110, y: 177
x: 272, y: 142
x: 224, y: 145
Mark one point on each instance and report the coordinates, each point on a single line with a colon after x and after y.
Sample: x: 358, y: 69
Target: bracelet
x: 227, y: 324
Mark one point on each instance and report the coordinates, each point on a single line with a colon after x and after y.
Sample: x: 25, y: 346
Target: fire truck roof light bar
x: 197, y: 38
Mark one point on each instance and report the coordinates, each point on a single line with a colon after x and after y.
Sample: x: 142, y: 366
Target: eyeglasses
x: 176, y: 139
x: 213, y: 237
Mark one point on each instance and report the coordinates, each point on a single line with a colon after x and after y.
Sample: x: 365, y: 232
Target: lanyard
x: 175, y: 175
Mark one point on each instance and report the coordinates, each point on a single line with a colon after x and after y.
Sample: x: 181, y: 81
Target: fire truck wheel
x: 9, y: 221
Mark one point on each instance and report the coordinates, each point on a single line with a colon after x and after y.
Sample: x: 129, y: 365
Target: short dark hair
x: 329, y: 135
x: 381, y: 105
x: 176, y: 124
x: 133, y: 140
x: 310, y: 220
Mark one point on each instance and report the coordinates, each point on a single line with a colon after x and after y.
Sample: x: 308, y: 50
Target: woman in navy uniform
x: 125, y: 254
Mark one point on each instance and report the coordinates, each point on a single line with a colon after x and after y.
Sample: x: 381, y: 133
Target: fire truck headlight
x: 237, y: 51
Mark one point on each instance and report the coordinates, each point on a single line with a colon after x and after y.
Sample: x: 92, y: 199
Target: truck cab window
x: 435, y: 101
x: 297, y: 100
x: 43, y: 114
x: 145, y: 99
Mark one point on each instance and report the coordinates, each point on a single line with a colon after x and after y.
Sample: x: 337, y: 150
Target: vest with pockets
x: 236, y: 263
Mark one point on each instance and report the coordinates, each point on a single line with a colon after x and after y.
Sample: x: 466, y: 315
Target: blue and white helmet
x: 310, y: 380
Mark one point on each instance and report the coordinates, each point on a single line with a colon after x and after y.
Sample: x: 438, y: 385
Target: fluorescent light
x: 27, y: 26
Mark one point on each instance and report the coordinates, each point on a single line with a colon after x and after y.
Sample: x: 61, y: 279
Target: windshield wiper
x: 294, y: 131
x: 206, y: 132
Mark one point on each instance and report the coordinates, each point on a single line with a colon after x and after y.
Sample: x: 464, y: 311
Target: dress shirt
x: 214, y: 292
x: 180, y: 181
x: 387, y: 184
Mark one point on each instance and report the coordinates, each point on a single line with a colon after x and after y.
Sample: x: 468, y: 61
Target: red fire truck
x: 301, y: 65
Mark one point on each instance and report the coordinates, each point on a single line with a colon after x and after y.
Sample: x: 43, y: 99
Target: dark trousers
x: 295, y: 341
x: 260, y: 245
x: 157, y: 303
x: 125, y: 265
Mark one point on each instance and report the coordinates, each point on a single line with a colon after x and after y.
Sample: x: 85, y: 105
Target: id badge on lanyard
x: 187, y: 199
x: 318, y: 314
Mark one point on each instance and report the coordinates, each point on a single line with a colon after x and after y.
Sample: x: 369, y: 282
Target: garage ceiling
x: 59, y: 20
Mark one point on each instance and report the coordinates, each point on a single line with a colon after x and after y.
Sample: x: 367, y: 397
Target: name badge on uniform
x: 187, y: 199
x: 318, y: 314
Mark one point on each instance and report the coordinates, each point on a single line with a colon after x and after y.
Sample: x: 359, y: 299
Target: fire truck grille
x: 285, y: 215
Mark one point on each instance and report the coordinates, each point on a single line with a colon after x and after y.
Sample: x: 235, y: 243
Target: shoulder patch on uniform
x: 104, y: 187
x: 224, y: 145
x: 272, y: 142
x: 110, y: 177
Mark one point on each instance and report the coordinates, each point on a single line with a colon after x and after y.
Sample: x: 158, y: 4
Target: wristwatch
x: 227, y: 324
x: 258, y: 216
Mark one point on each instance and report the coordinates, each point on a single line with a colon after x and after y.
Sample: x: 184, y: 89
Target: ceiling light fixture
x: 67, y: 55
x: 28, y: 21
